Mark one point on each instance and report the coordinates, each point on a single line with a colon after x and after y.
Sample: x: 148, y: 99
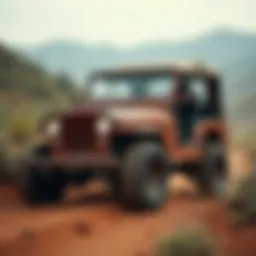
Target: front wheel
x: 36, y: 186
x: 143, y: 180
x: 40, y: 188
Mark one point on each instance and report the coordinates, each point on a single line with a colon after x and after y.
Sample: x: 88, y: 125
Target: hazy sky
x: 122, y: 22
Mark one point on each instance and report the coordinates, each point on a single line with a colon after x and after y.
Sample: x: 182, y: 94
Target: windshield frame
x: 95, y: 76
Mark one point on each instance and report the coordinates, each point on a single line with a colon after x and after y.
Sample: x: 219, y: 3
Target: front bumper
x: 75, y: 162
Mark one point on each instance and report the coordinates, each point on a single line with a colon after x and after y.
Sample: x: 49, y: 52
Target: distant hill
x: 243, y: 122
x: 27, y: 90
x: 240, y: 94
x: 73, y: 58
x: 240, y: 76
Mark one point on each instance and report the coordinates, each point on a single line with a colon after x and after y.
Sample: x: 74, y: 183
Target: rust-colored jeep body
x: 135, y: 105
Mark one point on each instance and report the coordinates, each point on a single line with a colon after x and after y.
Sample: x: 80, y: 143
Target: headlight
x: 53, y: 128
x: 103, y: 126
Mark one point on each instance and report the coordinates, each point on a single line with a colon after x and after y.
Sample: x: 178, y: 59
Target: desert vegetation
x: 242, y: 203
x: 187, y: 241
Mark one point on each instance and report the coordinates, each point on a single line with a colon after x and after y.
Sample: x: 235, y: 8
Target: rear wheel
x: 143, y: 181
x: 212, y: 178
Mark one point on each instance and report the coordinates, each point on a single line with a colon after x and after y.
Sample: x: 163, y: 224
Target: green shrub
x: 4, y: 174
x: 11, y: 160
x: 21, y: 129
x: 186, y: 241
x: 242, y: 202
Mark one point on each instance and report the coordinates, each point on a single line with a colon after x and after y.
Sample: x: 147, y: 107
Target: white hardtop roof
x: 185, y: 67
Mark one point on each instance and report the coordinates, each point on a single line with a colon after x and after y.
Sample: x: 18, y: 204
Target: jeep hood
x: 101, y: 106
x: 153, y: 110
x: 137, y: 114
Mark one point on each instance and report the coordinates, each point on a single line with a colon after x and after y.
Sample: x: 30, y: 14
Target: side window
x: 199, y: 89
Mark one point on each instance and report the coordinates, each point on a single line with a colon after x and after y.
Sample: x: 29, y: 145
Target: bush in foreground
x: 186, y: 241
x: 242, y: 203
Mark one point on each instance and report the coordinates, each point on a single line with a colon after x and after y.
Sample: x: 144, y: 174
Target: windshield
x: 131, y: 87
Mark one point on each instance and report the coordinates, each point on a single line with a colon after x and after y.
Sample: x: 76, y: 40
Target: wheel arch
x: 213, y: 136
x: 121, y: 142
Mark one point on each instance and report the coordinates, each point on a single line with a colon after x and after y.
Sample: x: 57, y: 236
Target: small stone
x: 27, y: 233
x: 82, y: 228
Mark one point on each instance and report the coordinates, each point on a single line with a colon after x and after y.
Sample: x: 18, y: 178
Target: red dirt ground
x: 90, y: 223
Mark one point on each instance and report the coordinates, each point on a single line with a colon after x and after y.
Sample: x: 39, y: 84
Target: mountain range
x: 220, y: 48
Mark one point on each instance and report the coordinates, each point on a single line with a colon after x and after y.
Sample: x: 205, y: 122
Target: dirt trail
x: 90, y: 223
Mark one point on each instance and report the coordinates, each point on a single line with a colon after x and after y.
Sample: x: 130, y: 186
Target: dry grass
x: 186, y: 241
x: 239, y: 166
x: 242, y: 202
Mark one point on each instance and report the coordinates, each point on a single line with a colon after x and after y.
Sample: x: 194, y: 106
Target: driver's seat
x: 185, y: 115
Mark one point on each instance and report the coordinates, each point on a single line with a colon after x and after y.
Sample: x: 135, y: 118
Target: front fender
x: 133, y: 133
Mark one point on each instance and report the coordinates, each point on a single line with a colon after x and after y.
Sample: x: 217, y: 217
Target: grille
x: 78, y: 133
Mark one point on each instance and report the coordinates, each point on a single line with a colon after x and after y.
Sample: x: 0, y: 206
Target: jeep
x: 138, y: 125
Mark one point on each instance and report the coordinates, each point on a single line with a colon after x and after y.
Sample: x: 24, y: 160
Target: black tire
x: 40, y: 188
x: 212, y: 178
x: 143, y: 182
x: 37, y: 186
